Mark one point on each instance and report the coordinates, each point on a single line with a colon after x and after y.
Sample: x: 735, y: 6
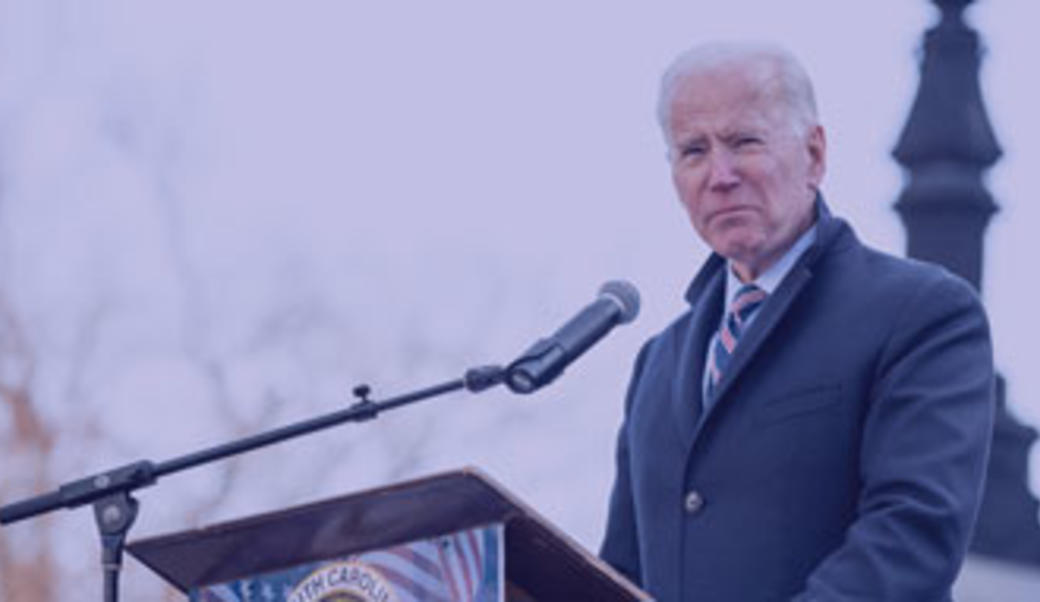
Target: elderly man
x: 815, y: 427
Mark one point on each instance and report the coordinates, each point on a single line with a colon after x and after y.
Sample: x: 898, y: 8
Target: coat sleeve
x: 620, y: 546
x: 923, y: 455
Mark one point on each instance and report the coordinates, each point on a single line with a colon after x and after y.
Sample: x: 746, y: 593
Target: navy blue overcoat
x: 844, y: 456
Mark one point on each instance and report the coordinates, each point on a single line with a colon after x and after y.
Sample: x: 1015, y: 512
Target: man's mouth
x: 730, y: 212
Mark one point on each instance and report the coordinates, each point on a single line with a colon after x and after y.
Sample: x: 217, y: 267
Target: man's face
x: 744, y: 173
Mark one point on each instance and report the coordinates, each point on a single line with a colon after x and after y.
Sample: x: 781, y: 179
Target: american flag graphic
x: 454, y: 568
x: 466, y: 566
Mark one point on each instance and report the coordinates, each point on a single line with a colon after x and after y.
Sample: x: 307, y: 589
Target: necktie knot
x: 745, y: 302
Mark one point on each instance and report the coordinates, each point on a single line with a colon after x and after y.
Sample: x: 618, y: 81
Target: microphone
x: 618, y: 303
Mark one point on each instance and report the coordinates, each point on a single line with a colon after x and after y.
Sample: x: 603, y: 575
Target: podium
x: 451, y: 537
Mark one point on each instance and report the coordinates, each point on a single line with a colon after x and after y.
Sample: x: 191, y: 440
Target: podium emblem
x: 343, y: 582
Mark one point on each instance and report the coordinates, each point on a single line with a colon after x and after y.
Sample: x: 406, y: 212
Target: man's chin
x: 742, y: 249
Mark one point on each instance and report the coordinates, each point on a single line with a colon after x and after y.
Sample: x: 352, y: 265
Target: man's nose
x: 722, y: 172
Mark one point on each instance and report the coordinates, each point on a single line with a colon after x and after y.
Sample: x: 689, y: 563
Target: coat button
x: 693, y: 502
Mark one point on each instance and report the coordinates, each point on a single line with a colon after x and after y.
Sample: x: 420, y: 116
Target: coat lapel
x: 706, y: 299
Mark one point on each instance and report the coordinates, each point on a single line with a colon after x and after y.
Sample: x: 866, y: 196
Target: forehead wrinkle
x: 723, y: 116
x: 760, y: 89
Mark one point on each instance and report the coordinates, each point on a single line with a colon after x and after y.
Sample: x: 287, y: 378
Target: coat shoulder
x: 880, y: 275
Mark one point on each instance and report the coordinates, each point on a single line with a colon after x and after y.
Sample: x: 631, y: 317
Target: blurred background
x: 218, y: 218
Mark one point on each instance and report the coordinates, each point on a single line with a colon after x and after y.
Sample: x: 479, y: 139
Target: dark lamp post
x: 946, y: 146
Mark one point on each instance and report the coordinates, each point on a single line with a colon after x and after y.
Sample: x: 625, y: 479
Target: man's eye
x: 692, y: 150
x: 745, y: 141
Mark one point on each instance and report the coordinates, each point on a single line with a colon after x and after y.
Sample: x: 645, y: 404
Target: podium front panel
x: 465, y: 566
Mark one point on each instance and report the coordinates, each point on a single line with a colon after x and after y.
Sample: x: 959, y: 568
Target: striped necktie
x: 745, y: 302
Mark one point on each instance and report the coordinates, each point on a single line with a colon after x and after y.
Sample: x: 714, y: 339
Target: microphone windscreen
x: 625, y: 295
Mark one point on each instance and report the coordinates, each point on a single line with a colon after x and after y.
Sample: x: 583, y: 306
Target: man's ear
x: 816, y: 145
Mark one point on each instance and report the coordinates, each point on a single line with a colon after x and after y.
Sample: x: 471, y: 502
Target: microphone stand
x: 110, y: 492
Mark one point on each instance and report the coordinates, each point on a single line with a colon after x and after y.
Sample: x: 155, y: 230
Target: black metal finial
x: 946, y: 145
x: 952, y: 8
x: 948, y: 121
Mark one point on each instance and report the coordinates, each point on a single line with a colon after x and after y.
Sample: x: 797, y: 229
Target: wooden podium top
x: 540, y: 560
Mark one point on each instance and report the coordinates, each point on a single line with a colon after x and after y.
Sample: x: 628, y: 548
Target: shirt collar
x: 770, y: 279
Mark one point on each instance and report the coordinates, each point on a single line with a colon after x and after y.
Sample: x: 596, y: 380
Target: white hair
x: 770, y: 64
